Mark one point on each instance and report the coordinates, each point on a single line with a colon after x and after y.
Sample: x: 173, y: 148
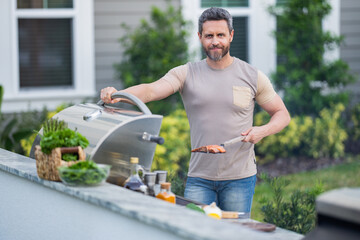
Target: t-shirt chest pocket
x: 241, y: 96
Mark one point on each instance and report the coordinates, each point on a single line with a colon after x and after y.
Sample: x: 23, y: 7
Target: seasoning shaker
x: 160, y: 178
x: 149, y: 180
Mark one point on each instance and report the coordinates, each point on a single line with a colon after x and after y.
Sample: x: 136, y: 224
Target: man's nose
x: 215, y: 41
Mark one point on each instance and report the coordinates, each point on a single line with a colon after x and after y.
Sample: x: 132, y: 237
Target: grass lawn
x: 343, y: 175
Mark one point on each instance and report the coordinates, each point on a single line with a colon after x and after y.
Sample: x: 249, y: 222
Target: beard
x: 216, y: 56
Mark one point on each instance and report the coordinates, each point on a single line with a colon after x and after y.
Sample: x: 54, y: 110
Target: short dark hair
x: 215, y: 13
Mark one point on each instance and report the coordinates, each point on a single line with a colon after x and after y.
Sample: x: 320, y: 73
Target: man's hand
x: 254, y: 134
x: 106, y: 93
x: 280, y: 118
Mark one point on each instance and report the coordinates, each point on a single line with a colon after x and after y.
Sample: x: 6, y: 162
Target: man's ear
x: 199, y: 34
x: 231, y: 35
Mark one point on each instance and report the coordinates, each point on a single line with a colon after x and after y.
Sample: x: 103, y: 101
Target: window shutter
x: 44, y: 4
x: 45, y: 52
x: 281, y: 2
x: 239, y: 45
x: 224, y: 3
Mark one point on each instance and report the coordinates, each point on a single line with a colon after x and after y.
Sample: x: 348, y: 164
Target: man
x: 219, y: 95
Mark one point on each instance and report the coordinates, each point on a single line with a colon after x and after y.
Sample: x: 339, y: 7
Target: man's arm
x: 146, y: 92
x: 280, y: 118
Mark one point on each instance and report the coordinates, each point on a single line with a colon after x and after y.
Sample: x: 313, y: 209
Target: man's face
x: 215, y: 39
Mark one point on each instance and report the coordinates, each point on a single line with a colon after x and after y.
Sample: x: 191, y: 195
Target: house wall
x: 109, y: 15
x: 350, y: 50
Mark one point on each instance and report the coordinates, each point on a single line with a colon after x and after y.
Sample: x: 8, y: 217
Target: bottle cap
x: 165, y: 185
x: 134, y: 160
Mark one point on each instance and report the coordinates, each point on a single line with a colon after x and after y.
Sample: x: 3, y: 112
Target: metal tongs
x: 214, y: 149
x: 232, y: 141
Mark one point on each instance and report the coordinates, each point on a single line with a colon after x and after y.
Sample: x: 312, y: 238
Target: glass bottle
x: 134, y: 182
x: 166, y: 194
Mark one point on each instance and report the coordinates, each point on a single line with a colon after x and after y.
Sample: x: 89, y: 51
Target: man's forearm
x: 141, y: 91
x: 277, y: 122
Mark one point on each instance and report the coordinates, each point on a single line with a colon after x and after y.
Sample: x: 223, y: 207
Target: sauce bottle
x: 134, y: 182
x: 165, y: 193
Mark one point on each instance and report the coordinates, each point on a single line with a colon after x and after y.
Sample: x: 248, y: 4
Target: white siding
x: 350, y: 50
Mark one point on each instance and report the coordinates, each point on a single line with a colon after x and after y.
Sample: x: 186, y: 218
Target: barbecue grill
x: 115, y: 134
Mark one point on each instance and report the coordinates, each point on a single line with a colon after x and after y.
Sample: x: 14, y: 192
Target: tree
x: 302, y: 73
x: 152, y: 49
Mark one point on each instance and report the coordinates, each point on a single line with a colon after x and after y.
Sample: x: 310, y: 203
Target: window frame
x: 82, y: 54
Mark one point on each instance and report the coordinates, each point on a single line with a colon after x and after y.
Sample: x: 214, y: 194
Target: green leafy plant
x: 1, y: 96
x: 308, y: 81
x: 62, y: 138
x: 12, y: 129
x: 355, y: 118
x: 84, y: 173
x: 11, y: 136
x: 56, y: 134
x: 174, y: 154
x: 53, y: 125
x: 323, y: 136
x: 194, y: 207
x: 37, y: 121
x: 152, y: 49
x: 328, y: 134
x: 296, y: 213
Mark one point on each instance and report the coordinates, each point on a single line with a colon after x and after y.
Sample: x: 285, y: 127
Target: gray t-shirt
x: 220, y: 105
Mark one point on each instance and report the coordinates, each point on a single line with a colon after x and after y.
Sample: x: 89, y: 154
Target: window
x: 281, y: 2
x: 224, y: 3
x: 47, y: 56
x: 45, y: 46
x: 44, y: 4
x: 45, y: 52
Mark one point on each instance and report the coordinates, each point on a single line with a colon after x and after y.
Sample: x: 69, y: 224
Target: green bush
x: 18, y: 127
x: 1, y: 96
x: 174, y: 154
x: 323, y: 136
x: 302, y: 73
x: 297, y: 213
x: 151, y: 50
x: 327, y: 136
x: 355, y: 119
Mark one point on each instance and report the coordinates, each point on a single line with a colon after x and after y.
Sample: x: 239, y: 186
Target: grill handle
x: 143, y: 108
x: 152, y: 138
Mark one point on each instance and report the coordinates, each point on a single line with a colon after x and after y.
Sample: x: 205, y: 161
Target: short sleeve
x: 176, y: 77
x: 265, y: 91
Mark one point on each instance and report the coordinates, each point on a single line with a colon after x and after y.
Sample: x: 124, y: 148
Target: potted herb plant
x: 59, y: 146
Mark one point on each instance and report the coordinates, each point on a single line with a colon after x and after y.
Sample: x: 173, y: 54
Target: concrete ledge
x: 33, y: 208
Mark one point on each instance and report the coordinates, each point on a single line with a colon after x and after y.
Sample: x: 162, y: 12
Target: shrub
x: 296, y: 213
x: 174, y: 154
x: 327, y: 136
x: 355, y: 119
x: 287, y: 143
x: 1, y: 96
x: 18, y: 127
x: 151, y: 50
x: 323, y: 136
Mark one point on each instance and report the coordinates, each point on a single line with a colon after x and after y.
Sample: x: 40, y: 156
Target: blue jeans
x: 229, y: 195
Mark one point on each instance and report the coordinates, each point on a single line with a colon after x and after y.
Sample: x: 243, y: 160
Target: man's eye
x: 208, y: 36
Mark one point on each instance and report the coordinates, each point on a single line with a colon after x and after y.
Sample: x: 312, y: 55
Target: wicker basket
x: 47, y: 164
